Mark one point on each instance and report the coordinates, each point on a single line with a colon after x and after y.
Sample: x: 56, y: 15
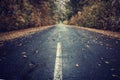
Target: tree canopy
x: 102, y: 14
x: 19, y: 14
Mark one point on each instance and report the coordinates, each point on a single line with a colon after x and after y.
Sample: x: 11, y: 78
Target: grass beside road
x: 20, y: 33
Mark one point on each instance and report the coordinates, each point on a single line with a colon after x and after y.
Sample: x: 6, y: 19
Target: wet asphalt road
x: 85, y: 56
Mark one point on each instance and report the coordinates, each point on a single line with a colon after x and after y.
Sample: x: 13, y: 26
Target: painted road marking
x: 58, y: 63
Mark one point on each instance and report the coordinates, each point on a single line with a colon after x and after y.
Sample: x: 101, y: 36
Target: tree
x: 20, y: 14
x: 101, y: 14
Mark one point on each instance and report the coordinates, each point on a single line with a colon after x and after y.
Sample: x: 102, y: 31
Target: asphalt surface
x: 85, y: 55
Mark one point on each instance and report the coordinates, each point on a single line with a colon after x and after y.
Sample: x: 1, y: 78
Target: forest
x: 100, y: 14
x: 21, y: 14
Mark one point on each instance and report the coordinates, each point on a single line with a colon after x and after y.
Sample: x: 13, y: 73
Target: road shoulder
x: 104, y: 32
x: 21, y: 33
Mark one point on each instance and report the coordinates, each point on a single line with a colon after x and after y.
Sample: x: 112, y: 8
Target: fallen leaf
x: 77, y: 65
x: 25, y: 56
x: 114, y: 75
x: 101, y: 58
x: 99, y: 64
x: 112, y: 69
x: 106, y: 62
x: 36, y: 51
x: 23, y: 53
x: 31, y: 64
x: 87, y: 46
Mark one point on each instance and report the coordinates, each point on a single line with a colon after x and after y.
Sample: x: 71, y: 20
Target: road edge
x: 21, y: 33
x: 103, y: 32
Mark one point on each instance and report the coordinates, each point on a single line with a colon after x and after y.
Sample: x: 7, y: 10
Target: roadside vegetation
x: 100, y: 14
x: 21, y: 14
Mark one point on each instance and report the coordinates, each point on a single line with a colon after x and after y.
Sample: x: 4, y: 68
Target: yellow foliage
x: 21, y: 19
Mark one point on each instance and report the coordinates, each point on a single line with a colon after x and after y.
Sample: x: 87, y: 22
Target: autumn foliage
x: 20, y: 14
x: 100, y: 14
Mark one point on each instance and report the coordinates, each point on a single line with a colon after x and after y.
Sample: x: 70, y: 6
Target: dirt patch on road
x: 104, y: 32
x: 20, y: 33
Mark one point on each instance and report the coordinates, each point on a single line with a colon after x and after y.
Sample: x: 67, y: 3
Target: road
x: 61, y: 53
